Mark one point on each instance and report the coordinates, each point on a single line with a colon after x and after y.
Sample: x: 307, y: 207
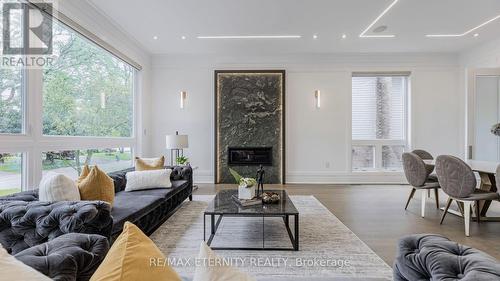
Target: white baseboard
x: 203, y: 176
x: 345, y: 177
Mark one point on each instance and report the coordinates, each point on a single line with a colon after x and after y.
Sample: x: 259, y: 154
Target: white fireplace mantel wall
x: 318, y: 140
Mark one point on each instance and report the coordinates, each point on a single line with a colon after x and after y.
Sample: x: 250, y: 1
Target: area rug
x: 327, y: 247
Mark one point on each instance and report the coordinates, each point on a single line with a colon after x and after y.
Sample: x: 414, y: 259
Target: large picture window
x: 87, y: 91
x: 379, y: 121
x: 83, y: 98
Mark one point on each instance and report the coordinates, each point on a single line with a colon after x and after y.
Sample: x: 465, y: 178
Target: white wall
x: 480, y: 59
x: 483, y: 56
x: 314, y: 136
x: 99, y: 24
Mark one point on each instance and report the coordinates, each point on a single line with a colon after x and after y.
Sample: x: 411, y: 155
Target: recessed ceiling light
x: 344, y: 36
x: 363, y: 35
x: 183, y: 37
x: 315, y: 36
x: 250, y: 37
x: 467, y: 32
x: 476, y: 34
x: 155, y: 37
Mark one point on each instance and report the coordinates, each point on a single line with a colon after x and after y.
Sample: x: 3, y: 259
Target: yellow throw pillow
x: 85, y: 172
x: 97, y: 185
x: 143, y: 164
x: 134, y: 257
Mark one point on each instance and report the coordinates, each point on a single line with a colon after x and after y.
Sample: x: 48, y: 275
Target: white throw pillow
x: 13, y: 269
x: 58, y: 187
x: 139, y: 180
x: 210, y: 270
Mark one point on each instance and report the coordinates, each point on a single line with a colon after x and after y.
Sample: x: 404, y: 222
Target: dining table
x: 487, y: 171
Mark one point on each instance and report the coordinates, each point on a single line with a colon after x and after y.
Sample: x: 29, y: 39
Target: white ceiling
x: 409, y: 20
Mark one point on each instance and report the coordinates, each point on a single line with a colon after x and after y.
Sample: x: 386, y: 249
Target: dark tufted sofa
x: 33, y: 231
x: 72, y: 256
x: 24, y: 224
x: 148, y: 209
x: 434, y: 257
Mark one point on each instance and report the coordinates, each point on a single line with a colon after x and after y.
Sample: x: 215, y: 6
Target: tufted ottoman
x: 72, y: 256
x: 434, y: 257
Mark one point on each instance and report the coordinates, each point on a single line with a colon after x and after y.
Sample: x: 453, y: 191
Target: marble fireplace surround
x: 249, y: 113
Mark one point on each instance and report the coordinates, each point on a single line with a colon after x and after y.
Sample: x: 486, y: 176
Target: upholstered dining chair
x: 417, y: 175
x: 424, y: 155
x: 457, y: 180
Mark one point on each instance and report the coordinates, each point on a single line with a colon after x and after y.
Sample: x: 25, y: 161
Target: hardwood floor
x: 375, y: 213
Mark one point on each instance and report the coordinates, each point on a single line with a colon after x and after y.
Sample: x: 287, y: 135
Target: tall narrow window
x: 379, y: 119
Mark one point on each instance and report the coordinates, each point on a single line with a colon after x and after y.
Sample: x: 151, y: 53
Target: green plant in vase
x: 181, y: 160
x: 246, y: 186
x: 241, y: 181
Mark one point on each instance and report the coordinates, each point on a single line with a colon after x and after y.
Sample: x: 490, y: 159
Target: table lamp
x: 176, y: 143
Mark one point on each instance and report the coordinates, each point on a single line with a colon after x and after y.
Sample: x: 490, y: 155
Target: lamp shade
x: 176, y: 141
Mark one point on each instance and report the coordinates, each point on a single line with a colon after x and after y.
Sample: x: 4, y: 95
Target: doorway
x: 483, y: 144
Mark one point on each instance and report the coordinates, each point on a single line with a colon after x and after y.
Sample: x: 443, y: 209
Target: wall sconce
x: 103, y: 100
x: 183, y: 98
x: 317, y: 97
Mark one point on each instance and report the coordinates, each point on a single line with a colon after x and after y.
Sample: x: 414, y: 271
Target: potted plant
x: 181, y: 160
x: 246, y: 186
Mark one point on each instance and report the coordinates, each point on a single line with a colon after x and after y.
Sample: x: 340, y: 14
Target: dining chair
x: 457, y: 180
x: 424, y: 155
x: 417, y: 175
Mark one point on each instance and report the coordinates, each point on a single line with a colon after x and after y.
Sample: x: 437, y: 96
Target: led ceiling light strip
x: 467, y: 32
x: 363, y: 35
x: 251, y: 37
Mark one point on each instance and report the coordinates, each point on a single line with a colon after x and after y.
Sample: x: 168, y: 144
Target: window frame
x: 379, y: 143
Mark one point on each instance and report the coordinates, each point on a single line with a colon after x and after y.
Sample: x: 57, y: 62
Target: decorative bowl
x: 270, y: 198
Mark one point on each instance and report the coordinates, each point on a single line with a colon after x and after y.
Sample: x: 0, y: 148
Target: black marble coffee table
x: 224, y: 206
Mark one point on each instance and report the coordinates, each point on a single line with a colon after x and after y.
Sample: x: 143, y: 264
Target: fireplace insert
x: 250, y: 156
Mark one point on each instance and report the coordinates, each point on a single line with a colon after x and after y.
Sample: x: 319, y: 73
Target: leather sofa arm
x: 181, y: 173
x: 72, y: 256
x: 27, y: 224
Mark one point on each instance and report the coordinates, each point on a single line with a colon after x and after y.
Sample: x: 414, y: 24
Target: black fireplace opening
x: 249, y: 156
